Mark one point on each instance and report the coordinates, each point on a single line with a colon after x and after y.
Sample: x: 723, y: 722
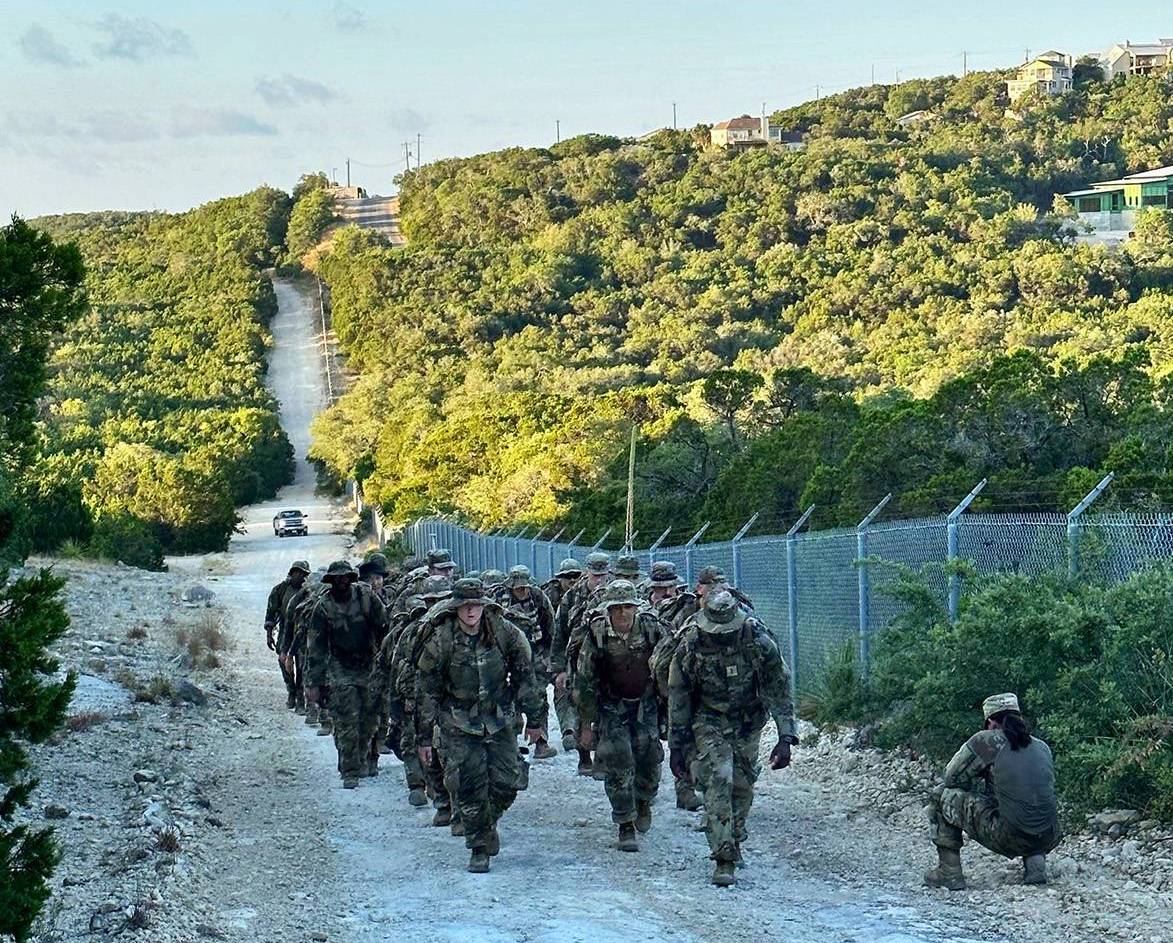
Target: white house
x: 1129, y: 58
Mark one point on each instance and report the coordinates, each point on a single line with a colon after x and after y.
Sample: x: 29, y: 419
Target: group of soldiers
x: 447, y: 671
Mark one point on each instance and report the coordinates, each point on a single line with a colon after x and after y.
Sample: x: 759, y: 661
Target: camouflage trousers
x: 954, y: 811
x: 413, y: 769
x: 726, y: 768
x: 434, y: 775
x: 630, y: 754
x: 484, y: 776
x: 566, y: 712
x: 352, y: 707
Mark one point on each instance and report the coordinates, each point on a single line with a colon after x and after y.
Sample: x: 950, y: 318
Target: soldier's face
x: 660, y: 593
x: 340, y: 587
x: 470, y: 616
x: 376, y: 581
x: 622, y: 618
x: 595, y: 580
x: 296, y: 579
x: 520, y: 592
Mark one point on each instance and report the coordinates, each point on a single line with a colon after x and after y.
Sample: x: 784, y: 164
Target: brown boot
x: 584, y: 762
x: 478, y: 862
x: 687, y: 797
x: 723, y: 874
x: 417, y: 797
x: 643, y: 816
x: 627, y: 839
x: 947, y: 873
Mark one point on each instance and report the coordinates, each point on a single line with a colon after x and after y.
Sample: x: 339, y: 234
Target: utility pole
x: 964, y: 64
x: 407, y: 155
x: 348, y: 173
x: 817, y: 95
x: 630, y: 533
x: 897, y: 76
x: 418, y: 138
x: 557, y: 131
x: 873, y: 73
x: 674, y: 116
x: 1027, y: 52
x: 334, y: 175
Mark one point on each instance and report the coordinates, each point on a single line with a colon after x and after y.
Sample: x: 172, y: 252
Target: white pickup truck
x: 290, y: 524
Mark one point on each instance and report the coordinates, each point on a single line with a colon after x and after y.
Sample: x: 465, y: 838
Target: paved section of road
x: 380, y: 213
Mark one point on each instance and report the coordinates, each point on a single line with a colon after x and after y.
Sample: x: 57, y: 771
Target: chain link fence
x: 822, y: 590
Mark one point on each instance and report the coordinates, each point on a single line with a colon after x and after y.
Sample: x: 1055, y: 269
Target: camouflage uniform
x: 469, y: 686
x: 279, y: 612
x: 556, y: 589
x: 534, y: 615
x: 725, y: 678
x: 385, y: 693
x: 342, y: 639
x: 315, y: 714
x: 616, y: 691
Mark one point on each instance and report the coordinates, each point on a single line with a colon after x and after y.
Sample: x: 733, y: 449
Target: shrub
x: 76, y: 723
x: 125, y: 538
x: 203, y: 640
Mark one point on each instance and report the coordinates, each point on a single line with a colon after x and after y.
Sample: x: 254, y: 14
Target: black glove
x: 677, y: 764
x: 269, y: 639
x: 780, y: 755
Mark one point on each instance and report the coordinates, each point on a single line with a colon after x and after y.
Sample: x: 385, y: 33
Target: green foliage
x: 311, y: 214
x: 1091, y: 664
x: 157, y: 422
x: 898, y: 307
x: 32, y: 708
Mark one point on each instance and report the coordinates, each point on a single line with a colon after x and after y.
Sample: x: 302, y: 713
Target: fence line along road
x: 821, y: 590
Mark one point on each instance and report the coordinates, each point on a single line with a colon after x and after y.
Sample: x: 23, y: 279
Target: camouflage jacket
x: 608, y: 661
x: 275, y: 607
x: 533, y: 615
x: 729, y: 677
x: 474, y: 683
x: 343, y: 637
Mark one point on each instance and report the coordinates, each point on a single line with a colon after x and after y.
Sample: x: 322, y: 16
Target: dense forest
x: 156, y: 423
x: 889, y: 308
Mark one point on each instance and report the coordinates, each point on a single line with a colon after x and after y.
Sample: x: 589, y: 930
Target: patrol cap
x: 300, y: 566
x: 620, y: 593
x: 721, y: 607
x: 626, y: 565
x: 419, y: 573
x: 711, y: 574
x: 518, y: 576
x: 413, y: 563
x: 997, y: 703
x: 441, y: 560
x: 339, y: 569
x: 598, y: 562
x: 414, y: 604
x: 435, y: 587
x: 663, y: 573
x: 469, y: 591
x: 376, y: 563
x: 492, y: 577
x: 569, y: 567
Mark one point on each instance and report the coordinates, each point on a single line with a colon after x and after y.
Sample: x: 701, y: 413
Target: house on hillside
x: 747, y: 132
x: 1052, y: 73
x: 1110, y: 207
x: 914, y: 118
x: 1129, y: 59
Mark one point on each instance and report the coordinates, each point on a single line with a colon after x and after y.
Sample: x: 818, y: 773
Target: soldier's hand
x: 269, y: 639
x: 534, y: 734
x: 677, y: 764
x: 425, y: 756
x: 586, y: 738
x: 780, y: 755
x: 560, y: 682
x: 312, y: 695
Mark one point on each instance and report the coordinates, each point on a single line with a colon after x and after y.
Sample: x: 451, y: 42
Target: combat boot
x: 478, y: 863
x: 643, y: 816
x: 627, y: 838
x: 687, y: 797
x: 326, y: 724
x: 494, y: 848
x: 584, y: 762
x: 442, y: 817
x: 569, y: 742
x: 457, y: 826
x: 947, y: 873
x: 349, y: 782
x: 417, y: 797
x: 311, y: 715
x: 1034, y: 869
x: 522, y: 776
x: 299, y: 709
x: 543, y: 751
x: 723, y: 874
x: 291, y: 701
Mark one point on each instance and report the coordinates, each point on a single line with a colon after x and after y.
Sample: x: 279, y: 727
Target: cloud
x: 349, y: 18
x: 103, y: 127
x: 408, y: 119
x: 39, y: 45
x: 213, y: 122
x: 289, y: 90
x: 138, y: 39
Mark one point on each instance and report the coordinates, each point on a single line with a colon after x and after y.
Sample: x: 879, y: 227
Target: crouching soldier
x: 726, y: 677
x: 345, y: 627
x: 475, y: 666
x: 1000, y: 790
x: 617, y: 693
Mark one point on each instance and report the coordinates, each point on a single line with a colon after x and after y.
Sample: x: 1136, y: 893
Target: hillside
x: 887, y: 309
x: 156, y: 423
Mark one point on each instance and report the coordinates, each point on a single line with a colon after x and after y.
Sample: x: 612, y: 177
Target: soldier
x: 686, y: 604
x: 597, y: 574
x: 527, y: 607
x: 1000, y: 790
x: 663, y: 584
x: 398, y: 581
x: 556, y: 588
x: 492, y: 577
x: 374, y: 571
x: 345, y: 627
x: 569, y: 573
x: 617, y: 693
x: 279, y: 620
x: 475, y: 668
x: 440, y: 563
x: 726, y: 677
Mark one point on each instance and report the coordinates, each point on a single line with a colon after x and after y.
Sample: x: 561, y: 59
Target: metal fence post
x: 792, y: 592
x: 533, y: 553
x: 688, y: 551
x: 865, y: 588
x: 550, y: 550
x: 951, y: 530
x: 598, y: 543
x: 1073, y: 523
x: 737, y: 547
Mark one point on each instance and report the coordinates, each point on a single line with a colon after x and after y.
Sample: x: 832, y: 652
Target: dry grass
x: 167, y: 840
x: 203, y: 640
x: 76, y: 723
x: 154, y: 691
x: 136, y: 632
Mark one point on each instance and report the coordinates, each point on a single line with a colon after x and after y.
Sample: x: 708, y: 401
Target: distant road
x: 380, y: 213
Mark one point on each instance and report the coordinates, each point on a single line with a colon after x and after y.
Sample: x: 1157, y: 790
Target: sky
x: 149, y: 105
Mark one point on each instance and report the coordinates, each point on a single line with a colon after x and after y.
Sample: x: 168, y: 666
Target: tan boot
x: 643, y: 816
x: 947, y: 873
x: 723, y: 874
x: 627, y: 839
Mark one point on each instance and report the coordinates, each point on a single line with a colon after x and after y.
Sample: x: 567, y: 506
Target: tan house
x: 1052, y: 73
x: 747, y: 132
x: 1128, y: 58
